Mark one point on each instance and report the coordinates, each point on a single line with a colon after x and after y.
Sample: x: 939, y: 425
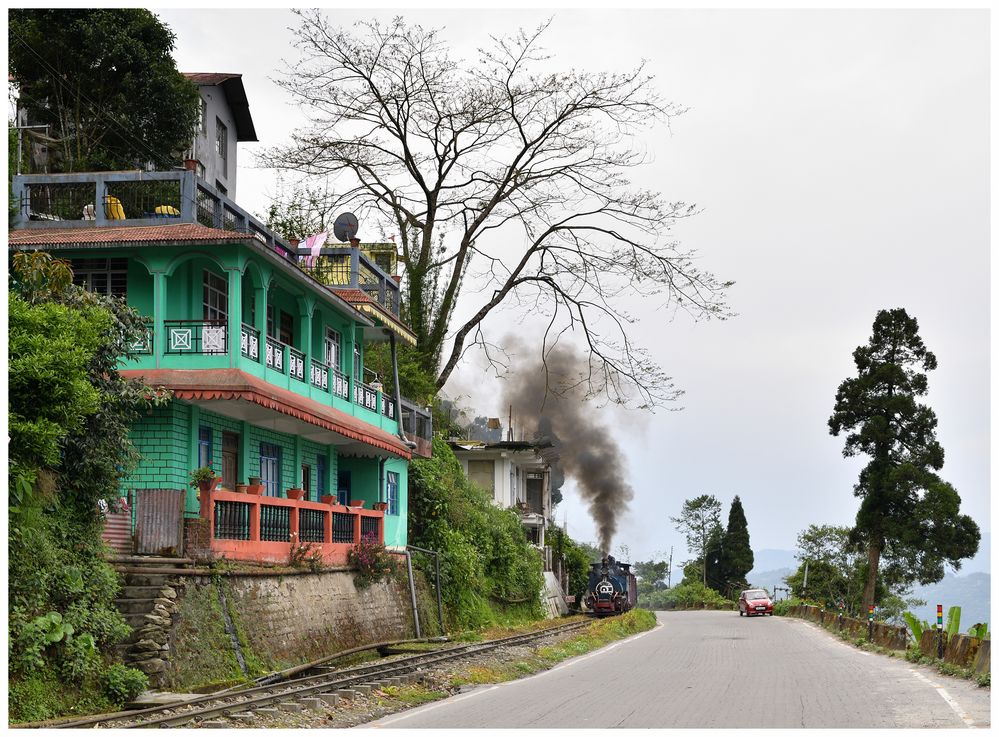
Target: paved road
x: 716, y: 669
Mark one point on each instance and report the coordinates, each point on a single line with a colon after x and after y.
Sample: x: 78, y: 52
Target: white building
x: 223, y: 121
x: 516, y: 475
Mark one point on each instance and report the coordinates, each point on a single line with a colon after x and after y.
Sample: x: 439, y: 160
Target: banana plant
x: 980, y: 631
x: 953, y: 621
x: 916, y: 626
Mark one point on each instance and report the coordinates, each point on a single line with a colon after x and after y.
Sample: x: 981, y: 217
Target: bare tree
x: 506, y: 163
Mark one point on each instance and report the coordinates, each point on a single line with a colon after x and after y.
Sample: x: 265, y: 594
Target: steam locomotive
x: 612, y: 588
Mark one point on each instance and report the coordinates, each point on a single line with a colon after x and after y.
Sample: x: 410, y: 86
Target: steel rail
x: 179, y: 713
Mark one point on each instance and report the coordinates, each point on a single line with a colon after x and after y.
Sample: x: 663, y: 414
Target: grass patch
x: 410, y: 696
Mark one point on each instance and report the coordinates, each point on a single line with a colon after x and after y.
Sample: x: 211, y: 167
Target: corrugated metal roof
x: 120, y: 234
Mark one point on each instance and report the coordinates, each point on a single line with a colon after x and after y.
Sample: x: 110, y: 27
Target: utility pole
x: 20, y: 138
x: 804, y: 583
x: 669, y: 568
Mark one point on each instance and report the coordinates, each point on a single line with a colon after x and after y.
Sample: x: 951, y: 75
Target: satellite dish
x: 345, y: 226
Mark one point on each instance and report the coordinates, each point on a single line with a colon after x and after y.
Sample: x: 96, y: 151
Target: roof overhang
x: 235, y: 96
x: 239, y: 395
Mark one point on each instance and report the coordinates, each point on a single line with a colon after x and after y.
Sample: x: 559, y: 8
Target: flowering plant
x: 373, y: 562
x: 202, y: 475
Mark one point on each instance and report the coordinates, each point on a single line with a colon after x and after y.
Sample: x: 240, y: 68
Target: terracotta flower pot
x: 254, y: 481
x: 242, y: 488
x: 380, y: 506
x: 328, y: 499
x: 296, y: 494
x: 206, y: 486
x: 256, y: 489
x: 357, y: 503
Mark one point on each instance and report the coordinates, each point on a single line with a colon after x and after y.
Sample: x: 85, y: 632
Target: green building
x: 265, y: 364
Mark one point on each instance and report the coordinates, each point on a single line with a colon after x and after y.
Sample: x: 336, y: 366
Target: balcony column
x: 260, y: 319
x: 306, y: 307
x: 159, y: 315
x: 235, y: 327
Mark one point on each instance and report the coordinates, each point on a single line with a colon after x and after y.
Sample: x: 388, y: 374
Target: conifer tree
x: 907, y: 513
x: 737, y: 559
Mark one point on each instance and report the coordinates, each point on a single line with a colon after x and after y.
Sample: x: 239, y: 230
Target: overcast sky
x: 841, y: 162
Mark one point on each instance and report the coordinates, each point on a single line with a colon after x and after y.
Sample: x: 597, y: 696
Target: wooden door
x: 230, y: 460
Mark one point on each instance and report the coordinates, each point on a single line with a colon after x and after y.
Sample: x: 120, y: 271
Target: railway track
x: 323, y: 686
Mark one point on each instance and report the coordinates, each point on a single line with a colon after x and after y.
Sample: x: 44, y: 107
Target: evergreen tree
x: 737, y: 559
x: 906, y: 511
x: 714, y: 560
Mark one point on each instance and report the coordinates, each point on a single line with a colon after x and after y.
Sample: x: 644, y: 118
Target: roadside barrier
x: 962, y: 650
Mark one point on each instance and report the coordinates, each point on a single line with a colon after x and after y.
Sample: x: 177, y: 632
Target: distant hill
x: 970, y: 592
x: 770, y: 559
x: 768, y: 579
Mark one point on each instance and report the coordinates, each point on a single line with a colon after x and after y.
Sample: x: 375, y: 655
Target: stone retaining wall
x: 279, y: 620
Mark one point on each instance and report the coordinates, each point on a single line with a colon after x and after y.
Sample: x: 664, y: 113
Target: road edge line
x: 951, y: 701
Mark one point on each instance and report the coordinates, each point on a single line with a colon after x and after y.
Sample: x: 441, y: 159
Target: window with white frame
x: 392, y: 492
x: 332, y: 348
x: 216, y: 297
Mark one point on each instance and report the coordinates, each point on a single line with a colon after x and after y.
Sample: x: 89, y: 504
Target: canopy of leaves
x: 68, y: 415
x: 106, y: 83
x: 698, y: 518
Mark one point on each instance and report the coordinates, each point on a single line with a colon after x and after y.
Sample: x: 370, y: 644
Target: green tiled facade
x: 168, y: 437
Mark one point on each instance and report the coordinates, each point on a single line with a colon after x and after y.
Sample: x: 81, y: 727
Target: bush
x: 121, y: 684
x: 489, y: 572
x: 782, y: 607
x: 693, y: 595
x: 372, y: 561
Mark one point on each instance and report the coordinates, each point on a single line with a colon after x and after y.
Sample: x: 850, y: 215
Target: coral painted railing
x: 267, y: 529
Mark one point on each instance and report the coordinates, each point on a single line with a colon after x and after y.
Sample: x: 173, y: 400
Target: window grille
x: 107, y: 276
x: 216, y: 297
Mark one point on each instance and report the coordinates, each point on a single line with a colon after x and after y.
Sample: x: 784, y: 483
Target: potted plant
x: 357, y: 503
x: 203, y: 479
x: 296, y: 494
x: 254, y: 481
x: 380, y: 506
x: 328, y: 499
x: 242, y: 488
x: 256, y: 489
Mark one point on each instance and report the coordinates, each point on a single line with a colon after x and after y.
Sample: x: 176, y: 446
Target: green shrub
x: 782, y: 607
x: 121, y: 684
x: 691, y: 595
x: 490, y: 574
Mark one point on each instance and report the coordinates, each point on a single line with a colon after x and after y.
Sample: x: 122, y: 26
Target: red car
x: 755, y: 601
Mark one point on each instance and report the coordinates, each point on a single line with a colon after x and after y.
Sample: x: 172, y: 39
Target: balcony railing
x: 268, y: 529
x: 249, y: 338
x: 144, y: 345
x: 296, y: 363
x: 205, y: 337
x: 319, y: 375
x: 418, y: 424
x: 365, y: 396
x: 340, y: 384
x: 349, y: 268
x: 275, y: 354
x: 388, y: 407
x: 89, y: 199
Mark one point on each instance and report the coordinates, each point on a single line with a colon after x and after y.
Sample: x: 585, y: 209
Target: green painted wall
x: 162, y: 437
x: 396, y: 524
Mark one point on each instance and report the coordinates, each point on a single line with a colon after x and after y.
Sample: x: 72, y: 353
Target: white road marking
x: 480, y: 691
x: 968, y: 721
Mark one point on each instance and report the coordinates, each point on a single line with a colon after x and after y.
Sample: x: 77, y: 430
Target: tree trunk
x: 873, y: 558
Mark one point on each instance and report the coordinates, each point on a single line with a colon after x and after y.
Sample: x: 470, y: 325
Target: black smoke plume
x: 549, y: 401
